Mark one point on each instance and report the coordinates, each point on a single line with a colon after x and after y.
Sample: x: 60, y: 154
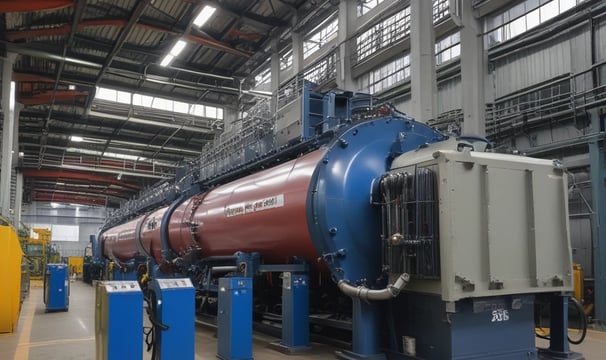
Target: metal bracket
x: 467, y: 284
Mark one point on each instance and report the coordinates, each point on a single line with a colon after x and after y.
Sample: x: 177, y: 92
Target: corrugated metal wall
x: 449, y: 95
x: 569, y: 53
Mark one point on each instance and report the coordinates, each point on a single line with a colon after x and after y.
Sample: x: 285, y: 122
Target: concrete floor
x: 71, y: 335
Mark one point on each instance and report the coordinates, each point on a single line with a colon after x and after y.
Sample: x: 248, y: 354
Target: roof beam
x: 126, y: 31
x: 259, y: 21
x: 63, y: 95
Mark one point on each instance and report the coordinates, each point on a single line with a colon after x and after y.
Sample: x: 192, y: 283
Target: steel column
x: 422, y: 61
x: 18, y: 198
x: 473, y: 65
x: 347, y: 27
x: 8, y: 106
x: 365, y: 332
x: 598, y: 231
x: 297, y: 50
x: 275, y: 73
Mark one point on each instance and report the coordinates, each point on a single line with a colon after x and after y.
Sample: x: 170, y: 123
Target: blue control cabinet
x: 295, y: 314
x: 175, y: 308
x: 234, y: 333
x: 119, y: 320
x: 56, y: 287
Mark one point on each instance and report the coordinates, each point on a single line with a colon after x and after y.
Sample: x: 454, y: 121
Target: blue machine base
x: 50, y: 310
x: 289, y: 350
x: 219, y: 356
x: 546, y: 354
x: 348, y: 355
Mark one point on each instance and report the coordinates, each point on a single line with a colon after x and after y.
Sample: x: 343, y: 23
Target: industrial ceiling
x: 75, y: 146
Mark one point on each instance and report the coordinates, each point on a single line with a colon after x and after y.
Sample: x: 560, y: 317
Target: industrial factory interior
x: 303, y: 179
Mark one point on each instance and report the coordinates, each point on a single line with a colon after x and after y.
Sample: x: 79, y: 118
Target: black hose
x: 150, y: 335
x: 583, y: 326
x: 583, y: 318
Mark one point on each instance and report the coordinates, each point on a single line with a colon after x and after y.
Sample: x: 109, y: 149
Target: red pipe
x: 47, y: 97
x: 84, y: 199
x: 87, y: 177
x: 25, y: 77
x: 8, y: 6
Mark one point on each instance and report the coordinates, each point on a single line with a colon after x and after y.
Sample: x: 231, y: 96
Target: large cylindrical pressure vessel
x: 138, y: 237
x: 119, y: 242
x: 265, y: 212
x: 316, y: 206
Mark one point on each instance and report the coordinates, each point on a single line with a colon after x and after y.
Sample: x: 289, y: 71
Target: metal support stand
x: 558, y: 332
x: 234, y: 319
x: 598, y: 219
x: 295, y: 314
x: 365, y: 333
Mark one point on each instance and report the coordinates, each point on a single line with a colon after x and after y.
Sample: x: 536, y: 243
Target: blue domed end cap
x: 344, y: 223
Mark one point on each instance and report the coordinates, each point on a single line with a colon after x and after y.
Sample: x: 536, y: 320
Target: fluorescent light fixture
x: 177, y: 48
x: 76, y: 138
x: 204, y: 15
x: 167, y: 60
x: 71, y: 87
x: 174, y: 52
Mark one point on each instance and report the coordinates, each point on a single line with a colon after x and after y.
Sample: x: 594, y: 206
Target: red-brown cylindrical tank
x: 119, y: 242
x: 140, y: 236
x: 264, y: 212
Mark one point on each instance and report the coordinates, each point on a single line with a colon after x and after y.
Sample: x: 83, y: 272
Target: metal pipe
x: 166, y: 251
x: 219, y: 258
x: 366, y: 294
x: 223, y: 269
x: 205, y: 74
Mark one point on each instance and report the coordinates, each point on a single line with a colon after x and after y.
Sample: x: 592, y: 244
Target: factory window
x: 142, y: 100
x: 322, y: 70
x: 522, y: 17
x: 386, y: 76
x: 162, y: 104
x: 365, y: 6
x: 440, y: 10
x: 326, y: 33
x: 535, y: 103
x: 263, y: 77
x: 106, y: 94
x: 448, y: 48
x: 123, y: 97
x: 286, y: 60
x: 158, y: 103
x: 180, y: 107
x: 382, y: 35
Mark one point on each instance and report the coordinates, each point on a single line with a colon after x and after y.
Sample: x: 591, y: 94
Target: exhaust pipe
x: 366, y: 294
